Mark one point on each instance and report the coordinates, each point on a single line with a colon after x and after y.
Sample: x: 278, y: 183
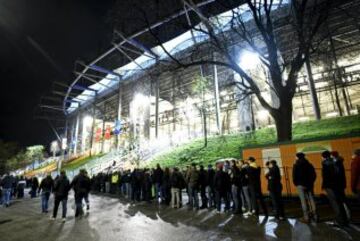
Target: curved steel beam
x: 153, y: 26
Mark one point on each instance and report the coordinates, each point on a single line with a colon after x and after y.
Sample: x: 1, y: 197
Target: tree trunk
x: 205, y: 127
x: 283, y: 121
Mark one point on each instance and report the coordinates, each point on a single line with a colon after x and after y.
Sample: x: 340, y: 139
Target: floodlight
x: 249, y: 60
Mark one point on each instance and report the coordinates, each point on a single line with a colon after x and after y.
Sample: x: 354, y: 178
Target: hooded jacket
x: 61, y: 187
x: 355, y: 174
x: 304, y: 173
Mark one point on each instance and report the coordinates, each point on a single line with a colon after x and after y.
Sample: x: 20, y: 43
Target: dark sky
x: 39, y: 42
x: 41, y: 39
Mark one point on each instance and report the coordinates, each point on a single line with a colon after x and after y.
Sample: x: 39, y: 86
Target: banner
x: 117, y: 127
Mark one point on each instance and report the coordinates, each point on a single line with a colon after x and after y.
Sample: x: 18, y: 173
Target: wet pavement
x: 113, y: 219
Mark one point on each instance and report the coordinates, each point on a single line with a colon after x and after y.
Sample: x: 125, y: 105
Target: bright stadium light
x: 54, y: 147
x: 87, y: 121
x: 249, y: 60
x: 64, y: 143
x: 263, y: 115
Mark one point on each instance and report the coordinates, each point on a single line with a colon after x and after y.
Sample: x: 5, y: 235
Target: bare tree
x: 262, y: 27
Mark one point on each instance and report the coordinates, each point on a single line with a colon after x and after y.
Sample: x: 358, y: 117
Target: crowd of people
x: 234, y: 185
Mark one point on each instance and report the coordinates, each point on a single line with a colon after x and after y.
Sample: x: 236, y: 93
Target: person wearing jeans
x: 61, y: 191
x: 355, y: 174
x: 158, y: 178
x: 245, y: 187
x: 63, y: 201
x: 304, y: 177
x: 46, y: 186
x: 7, y: 184
x: 222, y: 187
x: 82, y: 185
x: 307, y: 201
x: 332, y: 183
x: 176, y: 182
x: 193, y: 187
x: 175, y: 197
x: 7, y: 196
x: 236, y: 188
x: 253, y: 172
x: 210, y: 188
x: 275, y: 188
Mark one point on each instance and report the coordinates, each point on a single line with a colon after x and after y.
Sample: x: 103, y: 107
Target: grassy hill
x: 230, y: 145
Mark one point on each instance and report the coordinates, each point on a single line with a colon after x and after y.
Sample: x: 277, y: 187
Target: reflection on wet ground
x: 111, y: 219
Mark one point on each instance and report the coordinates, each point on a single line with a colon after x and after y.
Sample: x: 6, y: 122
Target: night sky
x: 39, y: 42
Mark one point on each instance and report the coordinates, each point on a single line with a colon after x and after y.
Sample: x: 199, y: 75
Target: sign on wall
x: 272, y: 154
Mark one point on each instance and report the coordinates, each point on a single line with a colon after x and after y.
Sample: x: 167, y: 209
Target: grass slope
x: 230, y: 145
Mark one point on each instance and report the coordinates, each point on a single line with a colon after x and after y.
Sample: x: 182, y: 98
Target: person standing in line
x: 147, y: 184
x: 176, y: 185
x: 275, y: 188
x: 61, y: 192
x: 193, y: 187
x: 81, y: 185
x: 236, y: 188
x: 340, y: 172
x: 254, y: 172
x: 245, y: 188
x: 355, y: 174
x: 210, y: 188
x: 203, y: 184
x: 304, y: 177
x: 331, y: 183
x: 165, y: 186
x: 222, y: 186
x: 187, y: 172
x: 158, y: 178
x: 46, y: 187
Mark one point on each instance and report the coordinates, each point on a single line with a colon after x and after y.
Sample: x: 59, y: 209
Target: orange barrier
x: 284, y: 154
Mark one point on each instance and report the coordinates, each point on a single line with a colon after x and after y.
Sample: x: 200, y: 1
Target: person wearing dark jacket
x: 46, y: 187
x: 355, y: 174
x: 304, y: 177
x: 21, y: 187
x: 157, y: 179
x: 34, y: 187
x: 340, y: 170
x: 81, y: 185
x: 332, y: 184
x: 177, y: 182
x: 236, y: 188
x: 61, y: 191
x: 166, y: 187
x: 210, y: 188
x: 203, y: 182
x: 193, y: 187
x: 254, y: 172
x: 6, y: 184
x: 222, y: 186
x: 275, y: 188
x: 245, y: 187
x: 146, y: 186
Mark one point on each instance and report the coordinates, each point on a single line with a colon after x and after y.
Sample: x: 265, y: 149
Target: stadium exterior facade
x: 143, y: 105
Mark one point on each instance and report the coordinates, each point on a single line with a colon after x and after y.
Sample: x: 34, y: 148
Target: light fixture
x: 263, y: 114
x: 87, y: 121
x: 64, y: 143
x: 249, y: 60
